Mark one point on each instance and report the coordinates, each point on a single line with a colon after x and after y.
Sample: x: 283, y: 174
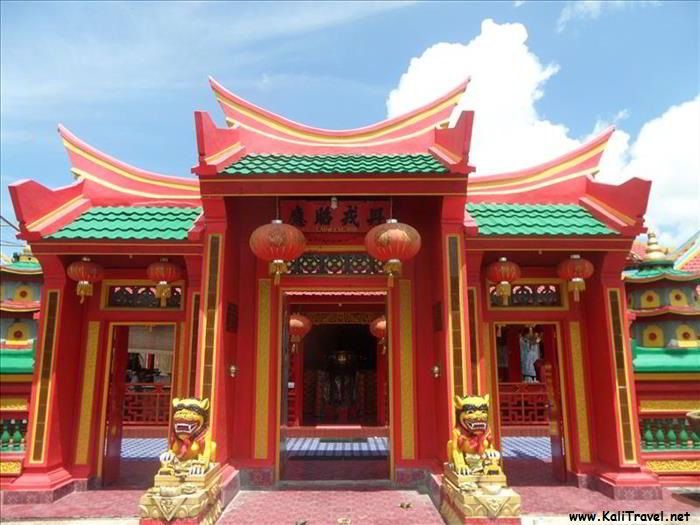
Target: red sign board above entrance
x: 341, y: 216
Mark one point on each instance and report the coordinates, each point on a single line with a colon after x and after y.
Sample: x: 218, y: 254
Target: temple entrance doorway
x: 138, y: 401
x: 335, y: 407
x: 530, y: 403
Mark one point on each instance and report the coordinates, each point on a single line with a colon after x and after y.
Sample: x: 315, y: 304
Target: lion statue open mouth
x: 470, y: 451
x: 191, y: 448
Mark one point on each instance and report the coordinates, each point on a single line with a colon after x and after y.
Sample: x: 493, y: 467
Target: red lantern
x: 392, y: 243
x: 575, y: 270
x: 277, y: 243
x: 503, y: 272
x: 378, y: 329
x: 86, y: 273
x: 163, y: 273
x: 299, y: 326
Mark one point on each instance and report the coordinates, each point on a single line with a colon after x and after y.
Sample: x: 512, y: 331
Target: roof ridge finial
x: 654, y: 251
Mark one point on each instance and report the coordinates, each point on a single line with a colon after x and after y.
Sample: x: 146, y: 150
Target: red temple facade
x: 515, y: 292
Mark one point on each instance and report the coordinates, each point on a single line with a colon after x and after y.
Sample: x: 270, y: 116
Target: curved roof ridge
x: 580, y: 162
x: 234, y: 105
x: 70, y: 139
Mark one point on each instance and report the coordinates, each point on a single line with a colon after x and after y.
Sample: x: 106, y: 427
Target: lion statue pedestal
x: 187, y: 487
x: 474, y: 488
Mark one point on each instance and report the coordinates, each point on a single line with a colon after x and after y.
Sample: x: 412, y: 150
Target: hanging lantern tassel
x: 382, y: 345
x: 393, y: 269
x: 503, y: 291
x: 163, y: 292
x: 295, y: 343
x: 84, y: 289
x: 277, y: 268
x: 575, y: 270
x: 85, y: 273
x: 577, y: 285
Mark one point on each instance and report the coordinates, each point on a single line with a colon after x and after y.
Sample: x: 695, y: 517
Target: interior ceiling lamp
x: 277, y: 243
x: 503, y: 272
x: 85, y: 272
x: 378, y: 329
x: 393, y: 243
x: 299, y: 326
x: 163, y: 273
x: 575, y: 270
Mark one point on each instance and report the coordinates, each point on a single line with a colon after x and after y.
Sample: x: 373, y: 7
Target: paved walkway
x: 326, y: 507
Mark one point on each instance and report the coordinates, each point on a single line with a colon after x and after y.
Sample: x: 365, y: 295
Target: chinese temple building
x: 20, y: 292
x: 330, y: 293
x: 664, y: 310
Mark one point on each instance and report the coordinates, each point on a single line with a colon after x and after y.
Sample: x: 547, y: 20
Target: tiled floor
x: 527, y: 447
x: 331, y: 448
x: 143, y: 448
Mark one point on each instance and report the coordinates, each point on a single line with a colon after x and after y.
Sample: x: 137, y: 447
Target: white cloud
x: 592, y: 9
x: 506, y: 81
x: 509, y: 134
x: 665, y: 152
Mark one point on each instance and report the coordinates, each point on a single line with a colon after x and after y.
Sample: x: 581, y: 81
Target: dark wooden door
x: 115, y: 405
x: 556, y: 422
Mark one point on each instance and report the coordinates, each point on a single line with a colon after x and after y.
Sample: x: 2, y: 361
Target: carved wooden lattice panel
x: 523, y: 404
x: 529, y: 295
x: 146, y: 404
x: 335, y: 264
x: 138, y: 296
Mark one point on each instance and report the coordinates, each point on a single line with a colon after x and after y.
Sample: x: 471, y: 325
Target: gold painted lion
x: 471, y: 451
x: 191, y: 449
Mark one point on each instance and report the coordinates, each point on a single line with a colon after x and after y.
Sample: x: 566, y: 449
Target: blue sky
x: 126, y: 77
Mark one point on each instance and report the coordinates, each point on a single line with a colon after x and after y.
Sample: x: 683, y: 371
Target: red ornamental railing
x: 146, y: 404
x: 523, y: 404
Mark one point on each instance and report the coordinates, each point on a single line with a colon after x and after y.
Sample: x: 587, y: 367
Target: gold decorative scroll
x: 45, y: 366
x: 8, y: 468
x: 211, y: 315
x: 691, y: 466
x: 580, y: 393
x: 262, y: 370
x: 88, y: 393
x: 669, y: 405
x: 13, y: 404
x: 406, y: 369
x: 623, y: 397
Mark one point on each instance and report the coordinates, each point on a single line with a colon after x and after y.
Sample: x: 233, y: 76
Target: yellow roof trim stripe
x: 316, y: 139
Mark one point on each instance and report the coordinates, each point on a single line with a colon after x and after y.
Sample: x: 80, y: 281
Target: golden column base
x: 478, y: 499
x: 195, y: 498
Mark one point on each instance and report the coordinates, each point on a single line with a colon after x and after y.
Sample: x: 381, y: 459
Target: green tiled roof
x: 535, y: 219
x: 657, y: 273
x: 16, y: 361
x: 131, y: 222
x: 334, y: 164
x: 665, y: 360
x: 22, y: 266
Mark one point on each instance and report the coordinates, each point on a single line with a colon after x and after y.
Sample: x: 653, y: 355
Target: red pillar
x: 615, y: 433
x: 52, y: 419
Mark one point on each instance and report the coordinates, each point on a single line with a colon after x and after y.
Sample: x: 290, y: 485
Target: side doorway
x: 530, y: 402
x: 138, y: 402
